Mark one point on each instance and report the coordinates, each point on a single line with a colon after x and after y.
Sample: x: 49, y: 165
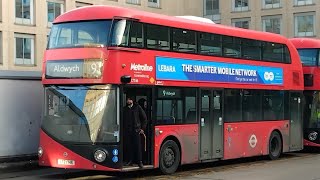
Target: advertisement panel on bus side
x: 196, y: 70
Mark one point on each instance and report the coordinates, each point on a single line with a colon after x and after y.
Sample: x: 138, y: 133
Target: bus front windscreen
x: 79, y: 34
x: 312, y: 109
x: 309, y: 57
x: 81, y: 114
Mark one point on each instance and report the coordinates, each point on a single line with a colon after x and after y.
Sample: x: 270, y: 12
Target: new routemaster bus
x: 309, y: 54
x: 213, y: 92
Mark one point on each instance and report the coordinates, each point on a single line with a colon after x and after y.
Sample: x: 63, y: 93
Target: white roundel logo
x: 269, y: 76
x: 313, y: 136
x: 253, y: 141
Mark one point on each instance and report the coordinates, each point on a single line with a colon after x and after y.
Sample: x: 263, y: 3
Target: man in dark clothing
x: 135, y: 122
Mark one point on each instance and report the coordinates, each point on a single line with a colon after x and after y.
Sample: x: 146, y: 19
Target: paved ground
x: 295, y: 166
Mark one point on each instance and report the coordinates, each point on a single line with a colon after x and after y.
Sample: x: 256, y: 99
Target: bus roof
x: 99, y: 12
x: 305, y: 42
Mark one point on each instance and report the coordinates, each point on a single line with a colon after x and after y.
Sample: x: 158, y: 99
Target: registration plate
x: 66, y: 162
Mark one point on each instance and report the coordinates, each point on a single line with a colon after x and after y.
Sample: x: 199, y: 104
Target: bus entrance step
x: 136, y: 167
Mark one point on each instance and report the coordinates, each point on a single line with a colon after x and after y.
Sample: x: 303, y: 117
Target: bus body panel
x: 121, y: 62
x: 252, y: 138
x: 311, y: 134
x: 309, y: 143
x: 188, y: 137
x: 315, y: 71
x: 141, y: 66
x: 53, y: 152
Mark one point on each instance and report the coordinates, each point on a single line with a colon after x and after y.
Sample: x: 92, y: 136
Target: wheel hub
x: 169, y: 157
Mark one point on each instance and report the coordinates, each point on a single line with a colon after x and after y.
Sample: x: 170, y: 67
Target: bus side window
x: 136, y: 35
x: 157, y: 37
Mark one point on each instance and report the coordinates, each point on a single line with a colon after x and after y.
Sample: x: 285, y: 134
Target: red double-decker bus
x: 213, y: 92
x: 309, y: 54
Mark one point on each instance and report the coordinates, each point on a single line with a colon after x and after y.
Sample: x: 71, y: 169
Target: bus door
x: 143, y: 97
x: 296, y: 131
x: 211, y: 124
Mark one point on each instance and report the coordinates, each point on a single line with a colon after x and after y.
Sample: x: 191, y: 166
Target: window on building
x: 154, y: 3
x: 211, y: 7
x: 24, y: 49
x: 240, y: 5
x: 302, y: 2
x: 1, y: 49
x: 269, y: 4
x: 158, y: 37
x: 1, y: 10
x: 184, y: 40
x: 271, y: 24
x: 210, y: 44
x: 82, y: 4
x: 55, y: 8
x: 241, y: 23
x: 304, y: 24
x: 133, y: 2
x: 24, y: 11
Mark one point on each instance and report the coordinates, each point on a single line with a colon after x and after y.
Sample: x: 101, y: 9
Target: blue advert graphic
x: 195, y: 70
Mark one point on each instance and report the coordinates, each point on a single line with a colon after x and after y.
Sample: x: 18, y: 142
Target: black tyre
x: 169, y: 157
x: 275, y: 145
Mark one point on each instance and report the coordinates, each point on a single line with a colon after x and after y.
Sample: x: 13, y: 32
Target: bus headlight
x: 100, y: 155
x: 40, y: 151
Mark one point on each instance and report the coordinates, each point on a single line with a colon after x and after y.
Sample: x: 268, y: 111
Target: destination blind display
x: 193, y: 70
x: 74, y: 69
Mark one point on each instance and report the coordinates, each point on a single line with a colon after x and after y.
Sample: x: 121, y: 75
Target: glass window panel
x: 184, y: 40
x: 19, y: 8
x: 242, y: 24
x: 231, y: 46
x: 232, y: 105
x: 304, y: 25
x: 190, y: 106
x: 273, y: 105
x: 272, y: 25
x: 84, y: 37
x: 251, y: 105
x: 19, y: 48
x: 65, y: 37
x: 309, y: 57
x: 51, y: 15
x: 27, y: 48
x: 157, y: 37
x: 251, y: 49
x: 57, y: 10
x: 210, y: 44
x: 26, y: 9
x: 79, y: 34
x: 136, y: 35
x: 272, y: 52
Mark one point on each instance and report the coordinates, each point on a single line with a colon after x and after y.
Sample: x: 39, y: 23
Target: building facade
x: 291, y: 18
x: 25, y: 25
